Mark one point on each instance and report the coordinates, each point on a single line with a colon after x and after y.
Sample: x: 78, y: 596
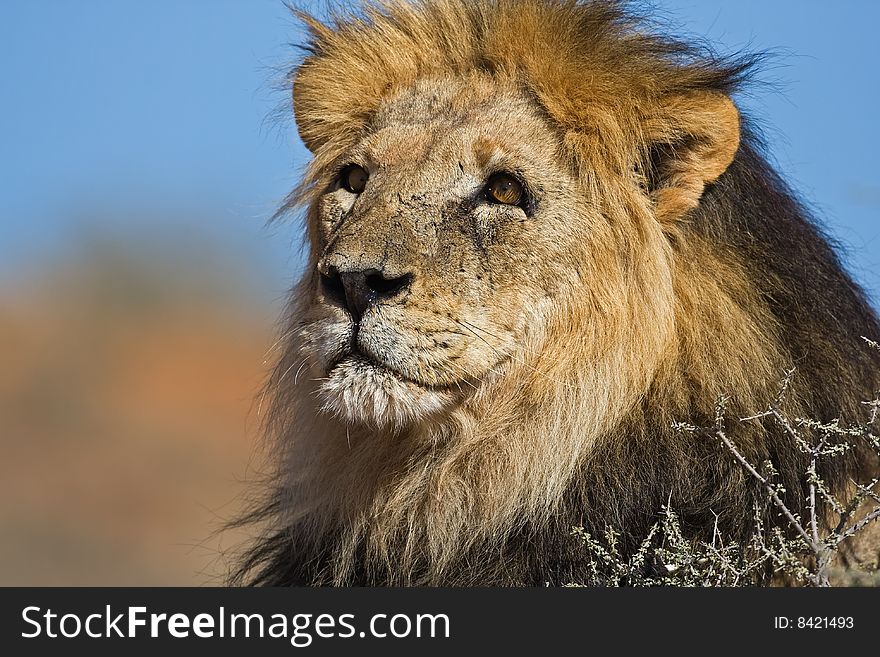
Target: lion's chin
x: 358, y: 391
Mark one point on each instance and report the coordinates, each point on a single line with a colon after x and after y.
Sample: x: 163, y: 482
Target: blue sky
x: 156, y: 118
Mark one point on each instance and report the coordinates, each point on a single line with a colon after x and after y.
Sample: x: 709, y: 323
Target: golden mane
x: 701, y: 289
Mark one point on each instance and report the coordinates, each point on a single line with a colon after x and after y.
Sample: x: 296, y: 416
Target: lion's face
x: 443, y: 243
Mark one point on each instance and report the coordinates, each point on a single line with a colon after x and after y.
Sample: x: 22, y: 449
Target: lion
x: 538, y: 235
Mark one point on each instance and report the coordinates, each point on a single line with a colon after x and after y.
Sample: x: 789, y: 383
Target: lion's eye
x: 504, y: 188
x: 354, y: 178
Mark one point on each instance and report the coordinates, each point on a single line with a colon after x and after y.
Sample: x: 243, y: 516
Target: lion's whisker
x: 292, y: 365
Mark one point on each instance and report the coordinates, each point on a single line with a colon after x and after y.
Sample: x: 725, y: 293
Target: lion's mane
x: 489, y: 494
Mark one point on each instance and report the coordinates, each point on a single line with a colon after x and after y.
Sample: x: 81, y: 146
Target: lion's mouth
x: 365, y: 388
x: 382, y: 357
x: 357, y: 360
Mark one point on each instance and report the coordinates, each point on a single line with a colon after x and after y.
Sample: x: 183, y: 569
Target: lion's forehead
x: 456, y: 121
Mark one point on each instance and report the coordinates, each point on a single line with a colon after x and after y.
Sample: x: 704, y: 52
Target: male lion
x: 538, y: 236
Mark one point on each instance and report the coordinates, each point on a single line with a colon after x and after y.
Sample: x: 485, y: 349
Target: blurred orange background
x: 127, y: 403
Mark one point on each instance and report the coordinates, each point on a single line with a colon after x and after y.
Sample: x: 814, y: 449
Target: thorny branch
x: 807, y: 557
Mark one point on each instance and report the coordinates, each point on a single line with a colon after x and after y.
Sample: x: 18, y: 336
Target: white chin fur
x: 358, y: 392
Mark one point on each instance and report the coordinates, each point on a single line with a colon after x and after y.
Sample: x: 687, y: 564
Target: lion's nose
x: 356, y: 290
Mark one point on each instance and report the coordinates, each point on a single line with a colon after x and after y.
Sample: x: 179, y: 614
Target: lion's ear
x: 692, y: 139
